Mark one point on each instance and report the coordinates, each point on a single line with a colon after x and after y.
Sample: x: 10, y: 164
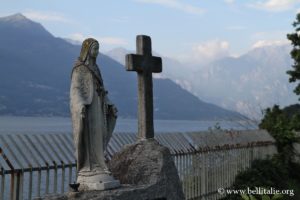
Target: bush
x: 269, y: 173
x: 282, y: 124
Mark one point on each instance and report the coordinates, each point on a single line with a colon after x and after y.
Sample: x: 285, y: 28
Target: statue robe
x: 91, y: 133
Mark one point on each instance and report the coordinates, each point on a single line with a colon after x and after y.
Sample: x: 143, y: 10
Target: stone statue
x: 93, y: 119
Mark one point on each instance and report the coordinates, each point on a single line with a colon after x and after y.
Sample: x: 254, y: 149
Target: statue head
x: 90, y: 47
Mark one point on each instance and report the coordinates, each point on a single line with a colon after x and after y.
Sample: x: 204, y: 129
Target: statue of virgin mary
x: 93, y: 120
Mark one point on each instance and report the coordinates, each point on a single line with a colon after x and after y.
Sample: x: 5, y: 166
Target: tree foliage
x: 282, y: 124
x: 295, y: 54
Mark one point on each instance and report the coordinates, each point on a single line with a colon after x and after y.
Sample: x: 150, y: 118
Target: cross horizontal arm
x: 139, y: 63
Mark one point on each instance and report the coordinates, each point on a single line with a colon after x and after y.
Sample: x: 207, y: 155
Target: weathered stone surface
x: 144, y: 64
x: 148, y: 163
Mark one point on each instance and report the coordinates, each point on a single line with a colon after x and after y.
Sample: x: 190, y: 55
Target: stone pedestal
x: 97, y: 182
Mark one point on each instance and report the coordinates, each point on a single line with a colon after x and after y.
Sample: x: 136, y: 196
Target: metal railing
x: 35, y: 165
x: 37, y: 162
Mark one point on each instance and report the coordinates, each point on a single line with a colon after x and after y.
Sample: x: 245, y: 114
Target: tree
x: 282, y: 124
x: 295, y: 54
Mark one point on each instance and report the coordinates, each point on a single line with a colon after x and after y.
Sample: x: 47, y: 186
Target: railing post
x: 55, y: 179
x: 21, y: 186
x: 30, y: 185
x: 39, y: 182
x: 12, y: 186
x: 2, y: 185
x: 63, y: 178
x: 47, y: 180
x: 70, y: 175
x: 202, y: 176
x: 17, y: 187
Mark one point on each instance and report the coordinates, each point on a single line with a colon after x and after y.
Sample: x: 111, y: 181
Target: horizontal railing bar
x: 233, y: 147
x: 39, y: 168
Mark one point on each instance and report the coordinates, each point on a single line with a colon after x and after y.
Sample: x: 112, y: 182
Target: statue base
x: 97, y: 182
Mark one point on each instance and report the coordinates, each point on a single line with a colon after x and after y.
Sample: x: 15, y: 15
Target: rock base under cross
x: 148, y: 163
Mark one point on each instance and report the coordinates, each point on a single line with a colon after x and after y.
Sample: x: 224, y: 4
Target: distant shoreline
x: 123, y: 118
x: 19, y: 124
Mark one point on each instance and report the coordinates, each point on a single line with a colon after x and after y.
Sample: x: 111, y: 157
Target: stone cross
x: 144, y: 64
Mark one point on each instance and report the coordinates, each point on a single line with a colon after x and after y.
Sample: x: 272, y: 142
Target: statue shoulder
x: 80, y: 68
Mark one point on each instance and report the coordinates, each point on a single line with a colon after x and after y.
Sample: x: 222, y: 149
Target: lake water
x: 11, y: 124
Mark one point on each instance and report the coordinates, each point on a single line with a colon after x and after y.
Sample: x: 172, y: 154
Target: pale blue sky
x: 180, y: 29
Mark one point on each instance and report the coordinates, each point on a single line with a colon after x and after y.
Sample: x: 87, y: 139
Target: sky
x: 188, y: 30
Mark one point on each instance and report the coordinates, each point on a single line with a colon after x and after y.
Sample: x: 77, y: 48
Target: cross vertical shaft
x: 144, y: 64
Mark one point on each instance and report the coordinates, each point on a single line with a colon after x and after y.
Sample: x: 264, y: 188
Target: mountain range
x: 35, y: 78
x: 247, y: 84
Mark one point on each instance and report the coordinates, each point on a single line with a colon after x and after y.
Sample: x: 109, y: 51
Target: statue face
x: 94, y: 51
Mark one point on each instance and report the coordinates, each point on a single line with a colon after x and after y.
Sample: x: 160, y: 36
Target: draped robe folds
x: 92, y: 129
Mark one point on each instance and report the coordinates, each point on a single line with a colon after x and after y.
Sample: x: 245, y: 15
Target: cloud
x: 102, y: 40
x: 212, y: 49
x: 77, y: 37
x: 112, y: 40
x: 176, y: 4
x: 263, y: 43
x: 46, y: 16
x: 206, y: 52
x: 275, y: 5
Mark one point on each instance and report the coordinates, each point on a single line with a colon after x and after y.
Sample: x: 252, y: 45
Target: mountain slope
x: 35, y: 78
x: 246, y: 84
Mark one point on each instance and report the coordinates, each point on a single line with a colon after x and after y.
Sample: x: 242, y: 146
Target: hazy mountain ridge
x: 35, y: 78
x: 251, y: 82
x: 247, y: 83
